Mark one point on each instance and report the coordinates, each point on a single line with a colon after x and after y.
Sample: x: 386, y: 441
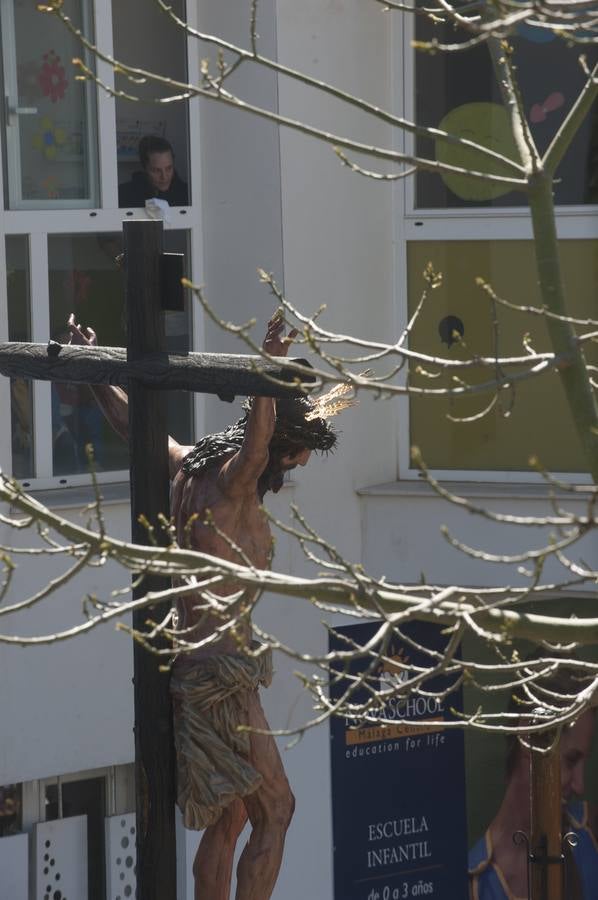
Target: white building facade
x: 257, y: 197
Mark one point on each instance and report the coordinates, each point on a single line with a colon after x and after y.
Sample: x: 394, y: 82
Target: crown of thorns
x: 300, y: 423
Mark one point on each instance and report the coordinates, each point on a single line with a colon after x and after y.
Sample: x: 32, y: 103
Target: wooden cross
x: 148, y: 372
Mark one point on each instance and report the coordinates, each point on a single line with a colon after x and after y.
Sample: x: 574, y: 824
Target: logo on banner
x: 393, y: 675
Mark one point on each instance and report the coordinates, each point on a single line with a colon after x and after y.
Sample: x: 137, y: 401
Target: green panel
x: 533, y: 418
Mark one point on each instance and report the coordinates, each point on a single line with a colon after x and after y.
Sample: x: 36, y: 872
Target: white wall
x: 240, y: 190
x: 69, y: 706
x: 402, y: 533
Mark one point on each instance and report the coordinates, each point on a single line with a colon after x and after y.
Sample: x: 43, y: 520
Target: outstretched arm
x: 113, y: 401
x: 240, y: 474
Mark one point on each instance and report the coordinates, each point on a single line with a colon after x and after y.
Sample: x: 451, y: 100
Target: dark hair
x: 292, y: 433
x: 151, y: 143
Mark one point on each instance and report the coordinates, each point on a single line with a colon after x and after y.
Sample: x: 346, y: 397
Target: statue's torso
x: 197, y: 501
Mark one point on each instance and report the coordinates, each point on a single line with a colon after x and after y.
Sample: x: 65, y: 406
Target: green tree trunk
x: 572, y: 368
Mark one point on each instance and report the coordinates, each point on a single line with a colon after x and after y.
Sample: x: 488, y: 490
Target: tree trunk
x: 546, y: 817
x: 573, y: 374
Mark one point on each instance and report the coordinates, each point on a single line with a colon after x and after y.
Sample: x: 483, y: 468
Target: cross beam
x: 149, y: 372
x: 222, y: 374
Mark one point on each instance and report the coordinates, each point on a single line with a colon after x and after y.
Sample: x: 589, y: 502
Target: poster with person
x: 422, y: 809
x: 498, y: 780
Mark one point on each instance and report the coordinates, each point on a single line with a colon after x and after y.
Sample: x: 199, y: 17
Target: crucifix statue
x: 226, y: 776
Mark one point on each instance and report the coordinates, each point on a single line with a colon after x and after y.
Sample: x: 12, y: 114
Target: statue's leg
x: 270, y: 809
x: 213, y: 865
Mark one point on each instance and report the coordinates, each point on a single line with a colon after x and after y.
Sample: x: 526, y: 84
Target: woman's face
x: 576, y: 743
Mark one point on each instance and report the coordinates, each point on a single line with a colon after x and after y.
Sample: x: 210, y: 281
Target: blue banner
x: 398, y: 790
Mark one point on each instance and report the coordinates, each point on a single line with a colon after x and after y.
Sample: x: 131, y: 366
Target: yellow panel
x: 531, y: 420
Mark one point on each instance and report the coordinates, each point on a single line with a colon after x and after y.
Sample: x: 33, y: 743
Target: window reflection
x: 19, y: 329
x: 86, y: 278
x: 177, y: 327
x: 152, y: 139
x: 447, y: 97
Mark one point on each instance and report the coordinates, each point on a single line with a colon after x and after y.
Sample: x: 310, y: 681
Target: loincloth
x: 210, y: 702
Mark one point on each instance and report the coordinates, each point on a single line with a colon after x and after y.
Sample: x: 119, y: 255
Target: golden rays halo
x: 334, y: 402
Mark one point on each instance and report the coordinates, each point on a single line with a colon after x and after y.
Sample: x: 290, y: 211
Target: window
x: 85, y: 278
x: 447, y: 97
x: 105, y: 798
x: 469, y: 229
x: 511, y: 432
x: 19, y: 329
x: 50, y: 152
x: 10, y: 809
x: 65, y: 146
x: 162, y: 50
x: 84, y: 797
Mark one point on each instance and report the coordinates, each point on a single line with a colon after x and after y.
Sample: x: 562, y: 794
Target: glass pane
x: 458, y: 93
x: 85, y: 278
x: 84, y: 798
x: 19, y: 329
x: 10, y: 810
x: 158, y: 166
x: 177, y: 327
x: 534, y: 419
x: 50, y: 125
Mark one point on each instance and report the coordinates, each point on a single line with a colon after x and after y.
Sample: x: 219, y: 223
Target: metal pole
x: 547, y: 866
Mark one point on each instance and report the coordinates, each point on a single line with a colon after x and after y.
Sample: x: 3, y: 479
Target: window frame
x: 91, y: 95
x: 412, y: 224
x: 119, y: 781
x: 38, y: 225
